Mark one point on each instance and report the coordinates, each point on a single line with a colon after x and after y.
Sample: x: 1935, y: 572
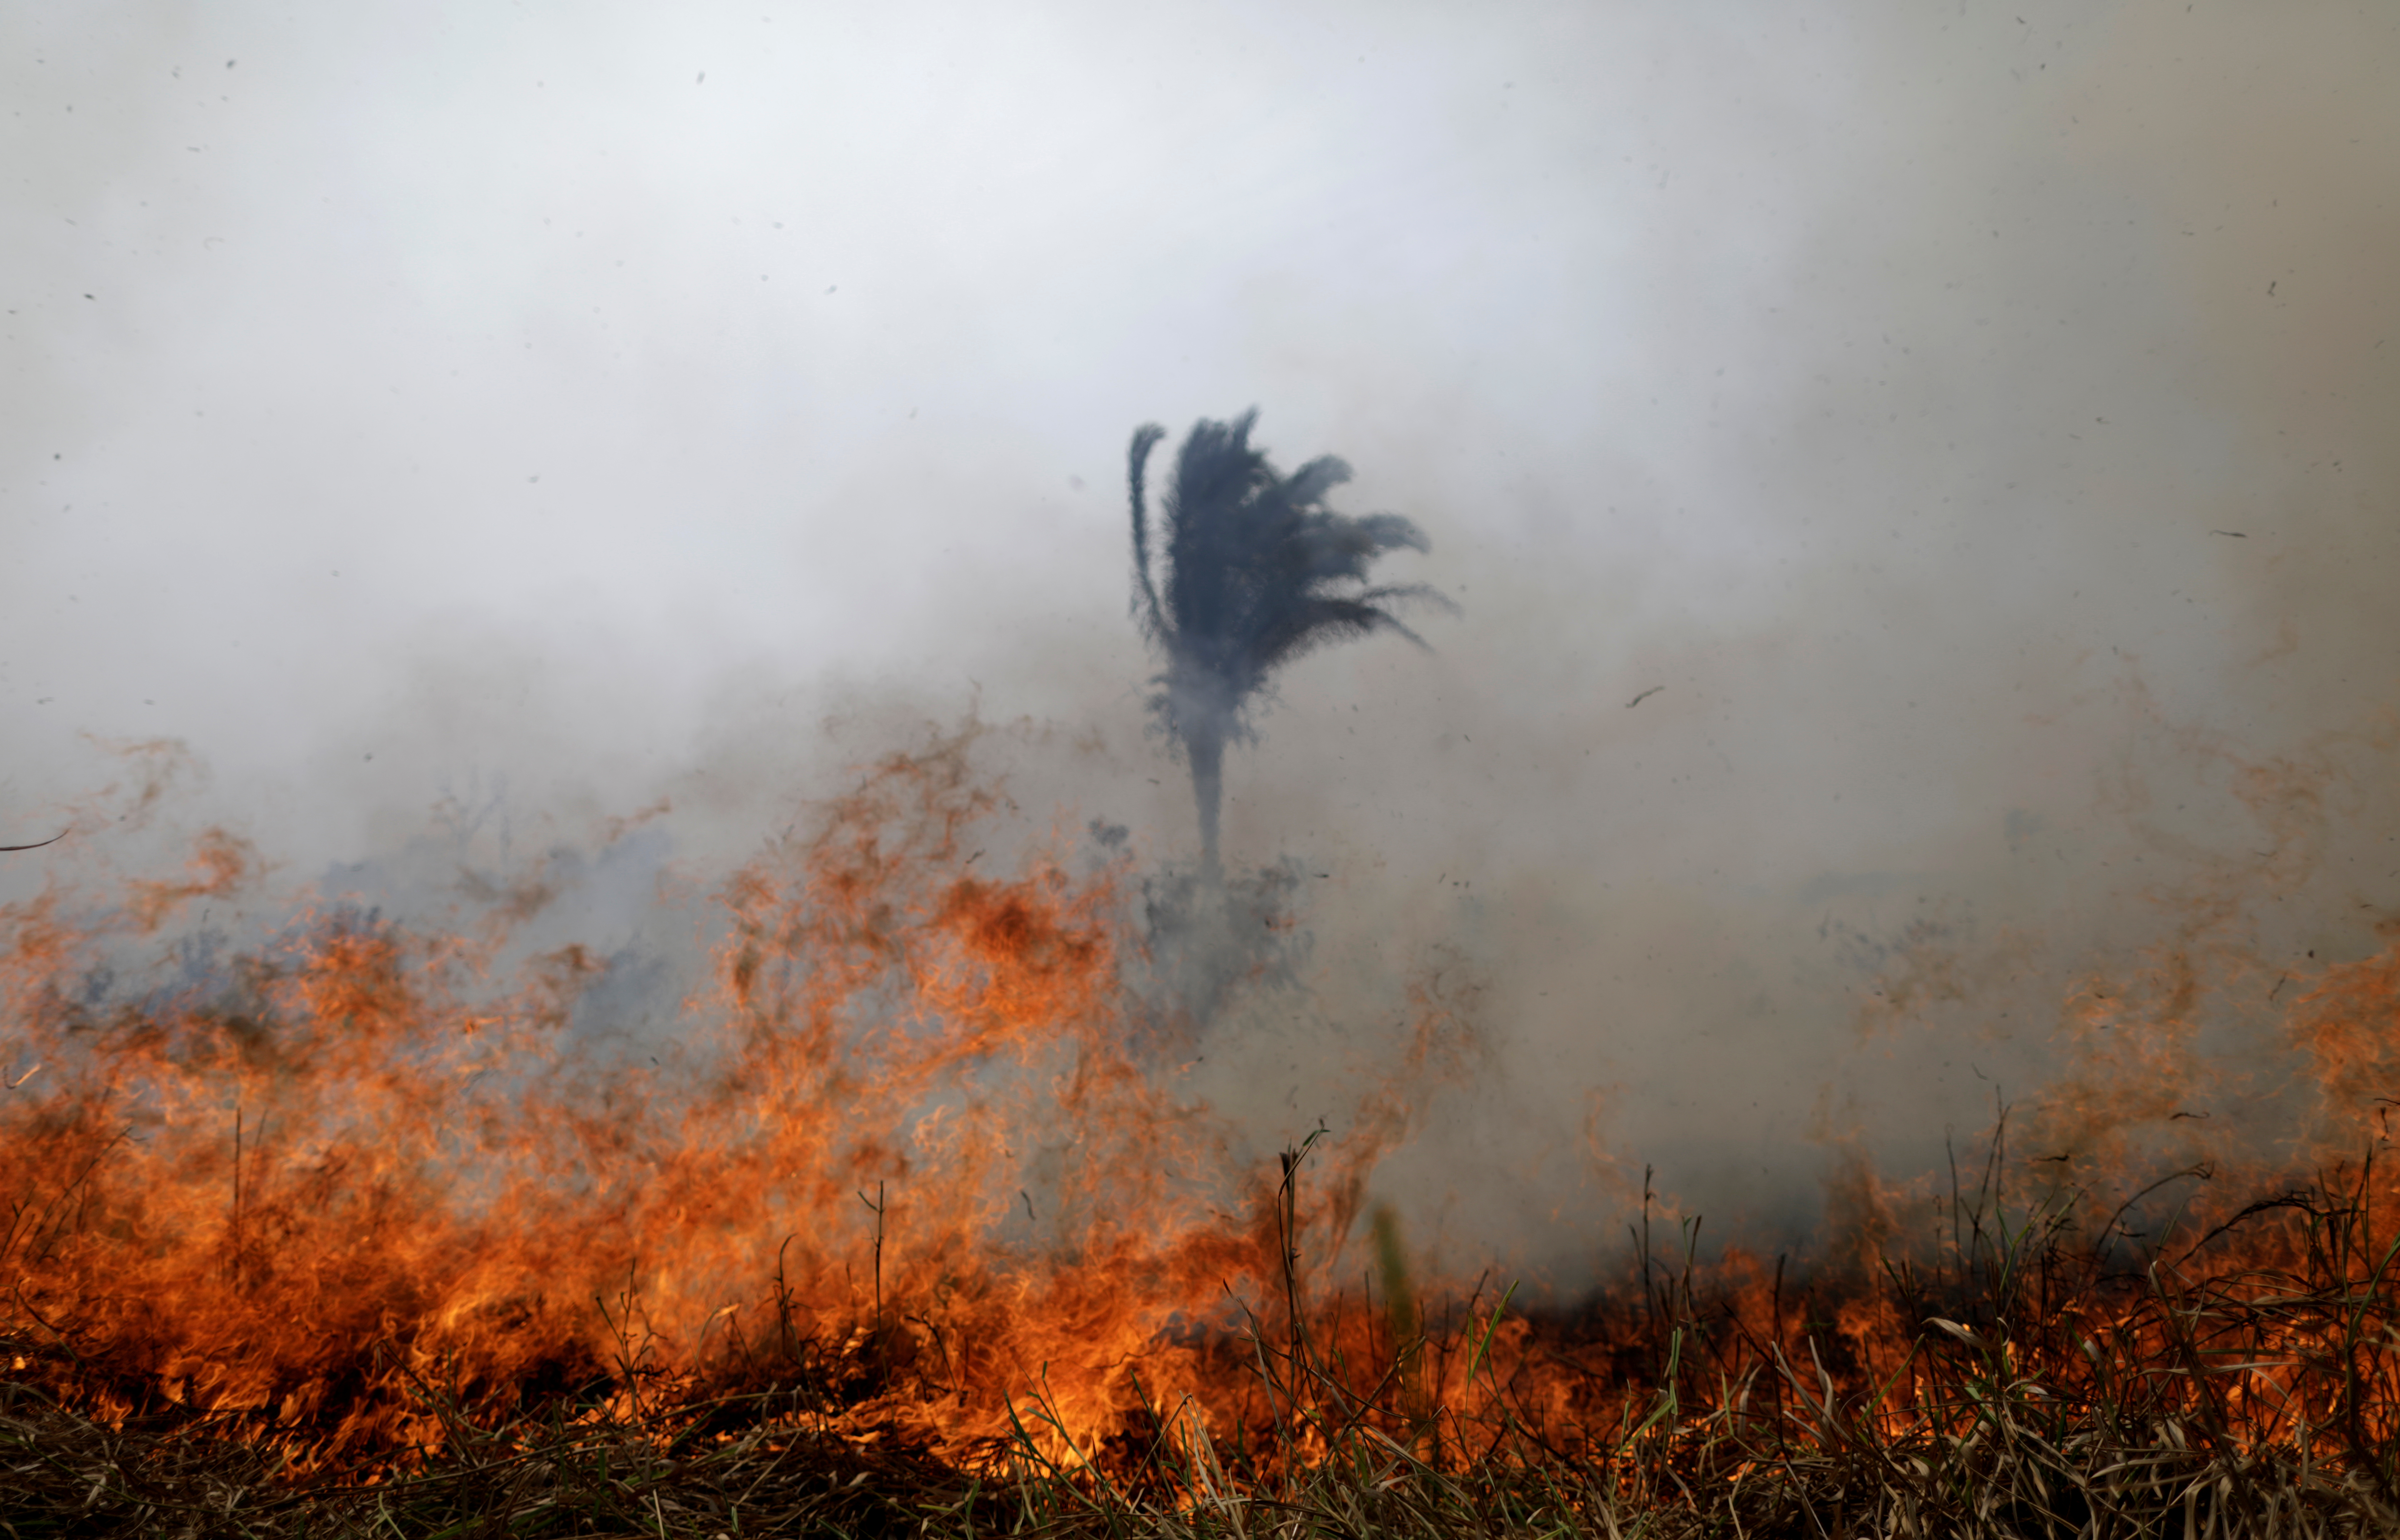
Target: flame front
x: 320, y: 1181
x: 341, y: 1188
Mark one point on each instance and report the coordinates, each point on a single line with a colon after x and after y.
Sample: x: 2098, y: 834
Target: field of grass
x: 2051, y: 1377
x: 340, y: 1235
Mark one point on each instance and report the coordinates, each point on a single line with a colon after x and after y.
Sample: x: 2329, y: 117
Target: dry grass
x: 2242, y: 1381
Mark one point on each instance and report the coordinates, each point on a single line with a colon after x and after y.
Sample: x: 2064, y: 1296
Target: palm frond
x: 1257, y: 571
x: 1152, y: 620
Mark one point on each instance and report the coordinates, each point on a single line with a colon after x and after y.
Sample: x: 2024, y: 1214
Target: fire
x: 313, y: 1182
x: 347, y: 1186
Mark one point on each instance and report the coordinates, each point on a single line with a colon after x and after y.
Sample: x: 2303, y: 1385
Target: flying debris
x: 1257, y: 571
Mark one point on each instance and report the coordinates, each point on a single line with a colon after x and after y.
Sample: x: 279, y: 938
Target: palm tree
x: 1258, y: 572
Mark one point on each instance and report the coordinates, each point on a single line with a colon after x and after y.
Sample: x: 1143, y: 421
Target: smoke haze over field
x: 1977, y: 428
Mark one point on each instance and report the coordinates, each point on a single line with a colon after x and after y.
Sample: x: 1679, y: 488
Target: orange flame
x: 343, y: 1169
x: 343, y: 1182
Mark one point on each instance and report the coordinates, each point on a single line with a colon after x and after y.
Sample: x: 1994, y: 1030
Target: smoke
x: 1973, y: 427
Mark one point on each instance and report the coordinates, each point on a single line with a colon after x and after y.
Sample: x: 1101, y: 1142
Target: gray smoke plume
x: 1258, y: 572
x: 1975, y: 422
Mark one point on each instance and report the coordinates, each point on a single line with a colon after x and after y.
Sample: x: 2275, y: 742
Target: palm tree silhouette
x: 1257, y: 571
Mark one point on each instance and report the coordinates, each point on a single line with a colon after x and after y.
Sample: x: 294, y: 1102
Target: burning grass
x: 2033, y: 1388
x: 335, y: 1237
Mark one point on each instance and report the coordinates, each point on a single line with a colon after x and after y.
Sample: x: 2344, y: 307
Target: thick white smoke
x: 1975, y: 427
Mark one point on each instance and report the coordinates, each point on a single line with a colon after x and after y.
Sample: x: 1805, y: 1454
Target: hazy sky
x: 1982, y: 420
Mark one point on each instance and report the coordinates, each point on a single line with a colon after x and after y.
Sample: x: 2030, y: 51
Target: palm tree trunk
x: 1206, y: 751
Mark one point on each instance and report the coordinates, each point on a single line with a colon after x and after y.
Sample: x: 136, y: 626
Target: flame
x: 346, y: 1187
x: 318, y: 1181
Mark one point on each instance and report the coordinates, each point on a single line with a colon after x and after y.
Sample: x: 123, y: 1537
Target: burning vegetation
x: 336, y: 1234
